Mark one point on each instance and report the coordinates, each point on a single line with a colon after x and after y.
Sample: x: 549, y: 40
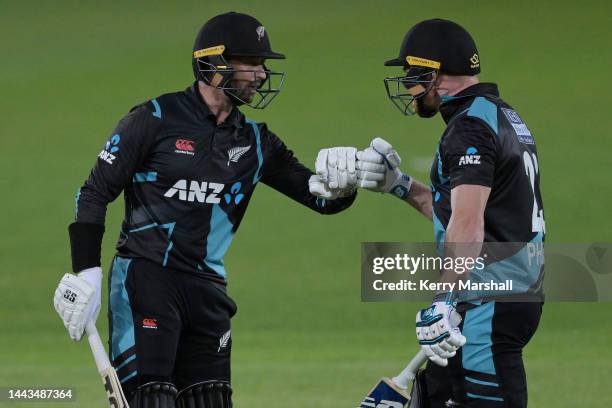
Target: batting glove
x: 437, y: 331
x: 378, y: 169
x: 336, y: 165
x: 77, y: 300
x: 318, y: 187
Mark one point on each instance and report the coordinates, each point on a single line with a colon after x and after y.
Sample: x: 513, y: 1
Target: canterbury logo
x: 235, y: 153
x: 185, y: 145
x: 224, y: 340
x: 149, y: 323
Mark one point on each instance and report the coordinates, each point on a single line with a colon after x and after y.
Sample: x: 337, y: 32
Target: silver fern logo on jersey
x: 235, y: 153
x: 224, y: 340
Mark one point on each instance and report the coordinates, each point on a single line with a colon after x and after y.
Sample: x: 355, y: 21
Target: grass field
x: 302, y: 338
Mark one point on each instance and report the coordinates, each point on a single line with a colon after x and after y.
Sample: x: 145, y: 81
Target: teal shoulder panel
x: 485, y: 110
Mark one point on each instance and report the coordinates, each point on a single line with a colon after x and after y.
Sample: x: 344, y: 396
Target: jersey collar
x: 451, y: 105
x: 235, y: 118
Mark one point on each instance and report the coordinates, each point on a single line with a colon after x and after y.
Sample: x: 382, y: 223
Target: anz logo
x: 200, y: 191
x: 470, y: 157
x: 108, y: 154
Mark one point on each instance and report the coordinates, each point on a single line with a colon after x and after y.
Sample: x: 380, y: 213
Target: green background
x: 302, y: 338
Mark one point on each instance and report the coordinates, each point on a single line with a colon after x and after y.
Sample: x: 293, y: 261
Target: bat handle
x: 97, y: 348
x: 407, y: 375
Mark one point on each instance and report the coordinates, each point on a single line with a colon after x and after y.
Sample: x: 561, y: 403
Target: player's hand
x: 378, y: 169
x: 437, y: 331
x: 77, y: 300
x: 319, y: 188
x: 336, y: 165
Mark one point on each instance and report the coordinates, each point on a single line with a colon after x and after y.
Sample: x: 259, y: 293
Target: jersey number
x: 537, y: 216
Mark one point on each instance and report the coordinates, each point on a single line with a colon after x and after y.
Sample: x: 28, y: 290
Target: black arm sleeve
x: 121, y: 155
x: 283, y: 172
x: 469, y: 150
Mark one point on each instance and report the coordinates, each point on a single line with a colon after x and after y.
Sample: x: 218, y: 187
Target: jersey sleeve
x: 283, y: 172
x: 114, y: 168
x: 469, y: 152
x: 124, y: 151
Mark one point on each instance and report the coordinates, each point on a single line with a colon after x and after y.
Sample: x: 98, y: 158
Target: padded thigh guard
x: 154, y: 394
x: 206, y: 394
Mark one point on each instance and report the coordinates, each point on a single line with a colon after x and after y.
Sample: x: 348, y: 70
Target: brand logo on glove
x: 70, y: 295
x: 400, y: 191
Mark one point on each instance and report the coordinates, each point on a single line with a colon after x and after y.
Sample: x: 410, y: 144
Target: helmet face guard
x: 215, y: 71
x: 405, y: 90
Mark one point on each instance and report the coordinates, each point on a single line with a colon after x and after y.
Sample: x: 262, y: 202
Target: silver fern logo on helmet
x: 261, y: 31
x: 235, y: 153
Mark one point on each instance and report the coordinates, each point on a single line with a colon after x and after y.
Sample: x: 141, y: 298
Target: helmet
x: 430, y: 46
x: 232, y: 35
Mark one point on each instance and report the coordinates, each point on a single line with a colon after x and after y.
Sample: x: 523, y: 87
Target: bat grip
x: 97, y: 348
x: 407, y: 375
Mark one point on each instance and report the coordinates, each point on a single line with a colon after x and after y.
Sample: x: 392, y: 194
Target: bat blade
x: 393, y: 393
x: 385, y: 394
x: 116, y: 399
x: 114, y: 392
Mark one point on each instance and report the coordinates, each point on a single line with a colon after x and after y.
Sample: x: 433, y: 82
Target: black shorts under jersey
x: 167, y: 326
x: 488, y: 371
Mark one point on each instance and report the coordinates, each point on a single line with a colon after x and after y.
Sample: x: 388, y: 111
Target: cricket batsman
x: 187, y: 163
x: 484, y: 188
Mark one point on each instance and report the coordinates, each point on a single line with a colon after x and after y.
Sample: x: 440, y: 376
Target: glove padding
x: 437, y: 332
x: 336, y: 175
x: 318, y: 187
x: 336, y: 165
x: 378, y: 169
x: 77, y: 300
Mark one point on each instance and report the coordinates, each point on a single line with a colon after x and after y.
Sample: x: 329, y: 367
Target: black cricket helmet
x: 235, y: 35
x: 427, y: 48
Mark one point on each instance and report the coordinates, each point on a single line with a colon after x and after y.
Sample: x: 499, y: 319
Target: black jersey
x: 187, y: 181
x: 487, y: 143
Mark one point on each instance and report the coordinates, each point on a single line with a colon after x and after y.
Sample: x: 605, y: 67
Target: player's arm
x: 471, y: 179
x: 468, y: 204
x: 470, y: 153
x: 419, y: 197
x: 77, y: 298
x: 378, y: 170
x: 283, y: 172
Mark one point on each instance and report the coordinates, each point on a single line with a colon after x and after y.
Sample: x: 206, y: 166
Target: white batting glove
x: 437, y: 331
x: 378, y: 169
x: 318, y: 187
x: 77, y: 300
x: 336, y: 165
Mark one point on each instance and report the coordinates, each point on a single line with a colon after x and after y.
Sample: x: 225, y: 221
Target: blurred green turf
x: 69, y: 70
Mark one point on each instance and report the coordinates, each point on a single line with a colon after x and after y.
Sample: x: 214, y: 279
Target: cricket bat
x: 111, y: 383
x: 393, y: 392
